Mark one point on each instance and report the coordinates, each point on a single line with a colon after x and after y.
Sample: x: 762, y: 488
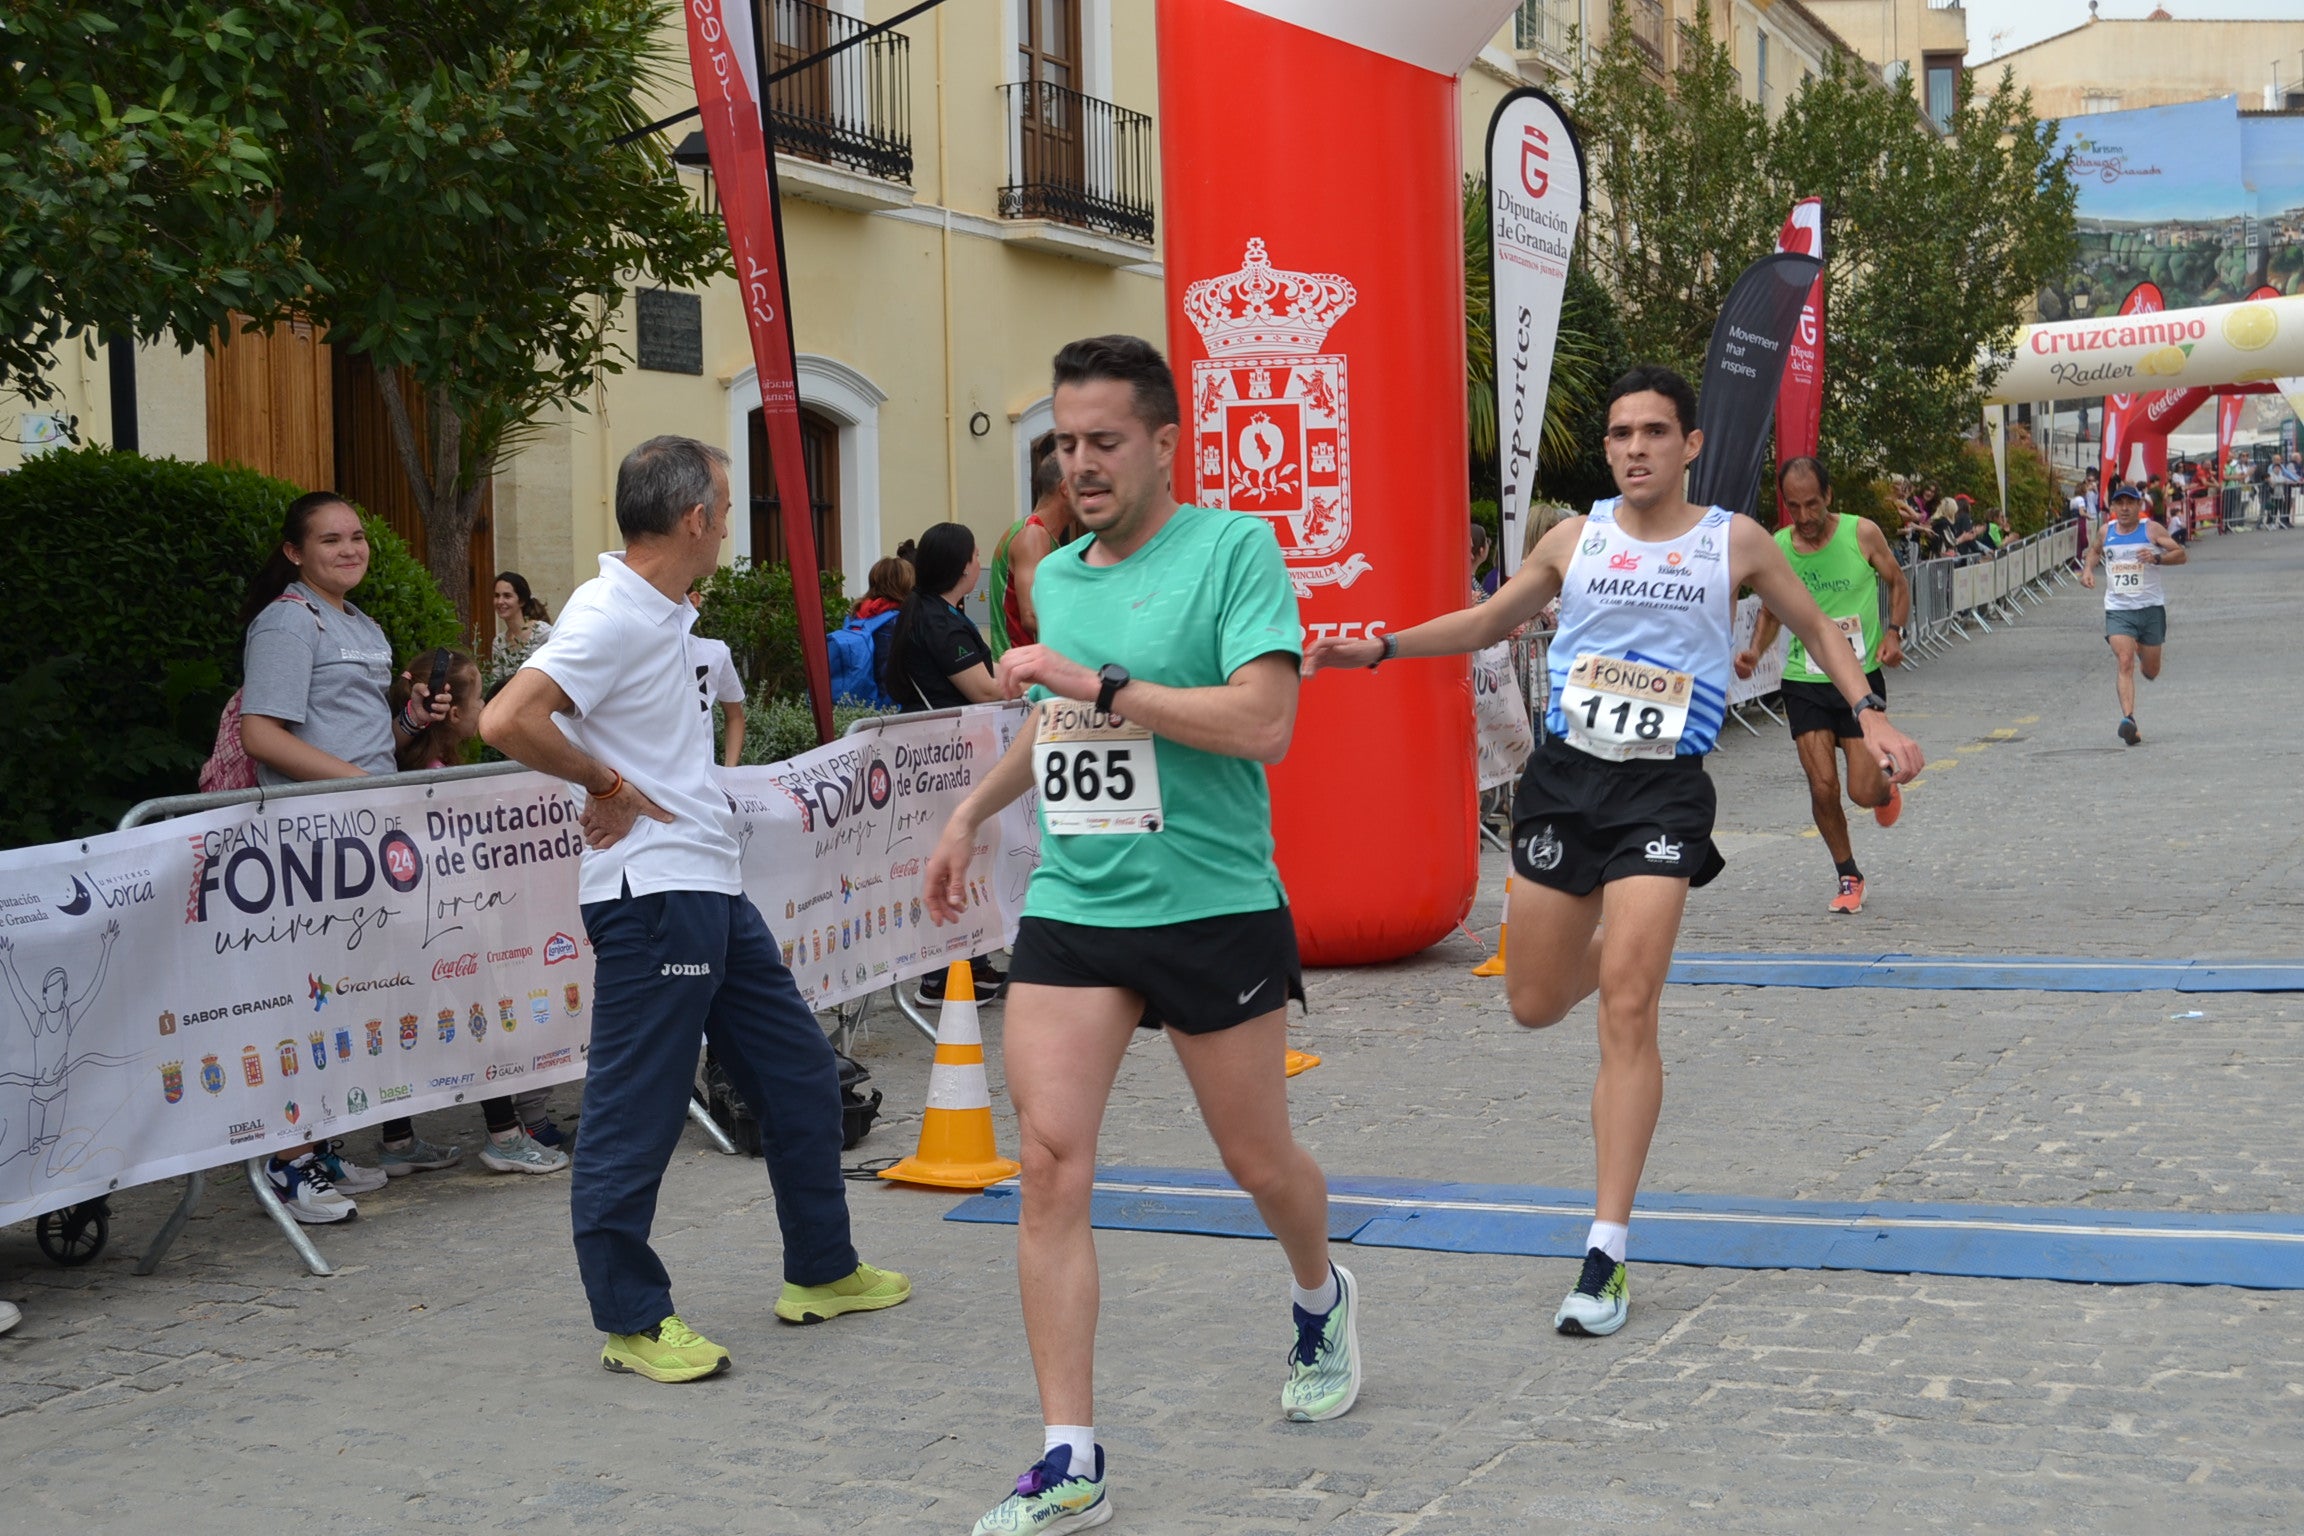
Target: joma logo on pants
x: 686, y: 970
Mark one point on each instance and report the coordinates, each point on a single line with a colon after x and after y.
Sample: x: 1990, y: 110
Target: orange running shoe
x: 1851, y: 897
x: 1886, y: 814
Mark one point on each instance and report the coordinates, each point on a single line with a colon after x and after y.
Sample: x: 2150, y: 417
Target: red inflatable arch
x: 1314, y: 252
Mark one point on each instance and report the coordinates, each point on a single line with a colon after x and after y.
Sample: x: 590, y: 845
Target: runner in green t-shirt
x: 1844, y: 561
x: 1164, y: 680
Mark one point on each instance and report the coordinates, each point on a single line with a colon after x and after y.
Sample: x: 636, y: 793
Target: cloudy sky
x: 2028, y: 21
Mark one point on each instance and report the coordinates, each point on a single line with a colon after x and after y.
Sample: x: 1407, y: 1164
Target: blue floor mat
x: 1986, y: 973
x: 2260, y: 1252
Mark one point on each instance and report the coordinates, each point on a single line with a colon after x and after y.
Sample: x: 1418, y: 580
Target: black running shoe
x: 2128, y: 731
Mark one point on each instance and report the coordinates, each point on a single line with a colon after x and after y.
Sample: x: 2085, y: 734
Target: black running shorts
x: 1197, y: 977
x: 1819, y: 707
x: 1579, y: 822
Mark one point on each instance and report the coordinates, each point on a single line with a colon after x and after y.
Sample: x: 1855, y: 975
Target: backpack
x: 855, y: 648
x: 228, y: 766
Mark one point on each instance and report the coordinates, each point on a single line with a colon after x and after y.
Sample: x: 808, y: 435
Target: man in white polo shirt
x: 616, y: 703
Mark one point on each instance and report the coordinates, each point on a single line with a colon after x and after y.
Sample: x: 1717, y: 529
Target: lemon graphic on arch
x: 2251, y: 327
x: 2167, y: 360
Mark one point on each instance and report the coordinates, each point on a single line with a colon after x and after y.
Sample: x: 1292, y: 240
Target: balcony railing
x: 1647, y: 18
x: 852, y: 110
x: 1541, y: 26
x: 1076, y: 160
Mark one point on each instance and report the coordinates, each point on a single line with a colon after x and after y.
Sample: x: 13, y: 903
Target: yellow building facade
x: 2107, y: 65
x: 961, y: 197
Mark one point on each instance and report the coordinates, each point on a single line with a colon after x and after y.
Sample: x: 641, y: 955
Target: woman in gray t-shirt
x: 313, y: 706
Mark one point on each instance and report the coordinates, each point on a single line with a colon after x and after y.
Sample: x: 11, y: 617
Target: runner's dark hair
x: 1808, y: 462
x: 1132, y: 360
x: 1047, y: 475
x: 1655, y: 378
x: 938, y: 563
x: 273, y: 577
x: 531, y: 607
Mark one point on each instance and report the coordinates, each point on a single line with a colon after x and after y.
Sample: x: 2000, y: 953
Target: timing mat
x: 2259, y: 1252
x: 1986, y: 973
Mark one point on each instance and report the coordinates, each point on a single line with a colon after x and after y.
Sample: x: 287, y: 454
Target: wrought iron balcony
x: 1647, y: 19
x: 853, y: 109
x: 1076, y: 160
x: 1542, y: 26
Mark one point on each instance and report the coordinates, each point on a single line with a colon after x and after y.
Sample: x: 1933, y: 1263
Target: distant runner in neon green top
x: 1844, y: 561
x: 1016, y: 559
x: 1164, y: 680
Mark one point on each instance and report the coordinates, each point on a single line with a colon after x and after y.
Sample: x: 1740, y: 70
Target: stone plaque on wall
x: 671, y: 331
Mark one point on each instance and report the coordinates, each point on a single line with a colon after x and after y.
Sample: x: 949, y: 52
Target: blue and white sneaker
x: 1051, y: 1499
x: 418, y: 1156
x: 346, y: 1174
x: 1324, y: 1367
x: 1601, y: 1301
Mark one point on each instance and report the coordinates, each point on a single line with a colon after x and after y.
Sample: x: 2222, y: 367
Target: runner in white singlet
x: 2132, y: 548
x: 1613, y: 820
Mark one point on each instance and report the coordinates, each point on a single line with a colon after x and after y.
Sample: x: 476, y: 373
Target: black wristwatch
x: 1869, y: 701
x: 1115, y: 678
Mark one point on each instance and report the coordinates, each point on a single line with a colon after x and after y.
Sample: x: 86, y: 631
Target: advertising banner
x: 195, y: 991
x: 192, y: 992
x: 1535, y: 197
x: 1800, y: 398
x: 1505, y: 735
x: 1768, y: 676
x: 2252, y: 342
x: 724, y: 56
x: 834, y: 841
x: 2143, y: 299
x: 1745, y: 364
x: 2162, y: 198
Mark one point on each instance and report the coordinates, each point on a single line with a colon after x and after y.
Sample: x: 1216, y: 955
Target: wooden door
x: 1048, y: 38
x: 368, y: 472
x: 820, y: 455
x: 270, y: 403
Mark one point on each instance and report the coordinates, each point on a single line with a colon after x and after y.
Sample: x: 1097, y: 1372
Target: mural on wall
x: 2203, y: 202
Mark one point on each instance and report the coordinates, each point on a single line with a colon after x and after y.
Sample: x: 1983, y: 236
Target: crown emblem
x: 1258, y: 311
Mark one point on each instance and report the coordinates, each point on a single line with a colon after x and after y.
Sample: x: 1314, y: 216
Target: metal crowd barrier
x: 1952, y: 598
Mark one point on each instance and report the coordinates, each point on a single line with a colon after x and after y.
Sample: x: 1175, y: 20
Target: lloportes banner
x: 1743, y: 367
x: 1800, y: 398
x: 1535, y: 198
x: 724, y: 55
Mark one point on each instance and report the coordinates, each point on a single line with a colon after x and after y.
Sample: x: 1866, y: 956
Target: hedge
x: 123, y: 582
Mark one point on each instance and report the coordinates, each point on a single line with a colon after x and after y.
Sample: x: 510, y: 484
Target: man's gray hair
x: 660, y: 480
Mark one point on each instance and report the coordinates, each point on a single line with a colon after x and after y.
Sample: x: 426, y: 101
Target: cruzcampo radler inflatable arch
x: 1313, y: 244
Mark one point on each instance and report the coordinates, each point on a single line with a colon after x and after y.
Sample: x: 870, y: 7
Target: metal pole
x: 260, y: 1184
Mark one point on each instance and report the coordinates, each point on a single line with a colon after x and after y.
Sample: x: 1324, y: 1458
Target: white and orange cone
x: 1494, y: 964
x: 957, y: 1150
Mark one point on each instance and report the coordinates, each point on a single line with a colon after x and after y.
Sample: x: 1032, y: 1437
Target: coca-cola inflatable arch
x: 1314, y: 250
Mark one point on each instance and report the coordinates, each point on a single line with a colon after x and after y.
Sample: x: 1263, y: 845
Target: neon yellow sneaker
x: 867, y: 1290
x: 670, y: 1351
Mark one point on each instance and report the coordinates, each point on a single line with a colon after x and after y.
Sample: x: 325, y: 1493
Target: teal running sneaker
x: 1601, y: 1301
x: 1051, y: 1499
x: 1324, y: 1367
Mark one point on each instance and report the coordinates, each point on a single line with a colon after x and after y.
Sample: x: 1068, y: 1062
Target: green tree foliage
x: 451, y: 168
x: 1937, y: 242
x: 436, y: 181
x: 750, y: 607
x: 124, y: 636
x: 139, y: 175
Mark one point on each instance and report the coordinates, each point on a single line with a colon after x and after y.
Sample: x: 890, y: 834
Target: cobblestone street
x: 447, y: 1378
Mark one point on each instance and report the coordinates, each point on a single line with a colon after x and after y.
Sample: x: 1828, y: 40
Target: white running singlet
x: 1640, y: 666
x: 2130, y: 581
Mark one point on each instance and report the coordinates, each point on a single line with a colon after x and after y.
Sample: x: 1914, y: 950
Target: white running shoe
x: 347, y: 1175
x: 304, y: 1188
x: 522, y: 1154
x: 9, y: 1316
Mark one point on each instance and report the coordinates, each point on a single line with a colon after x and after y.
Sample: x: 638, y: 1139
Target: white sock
x: 1081, y: 1438
x: 1609, y: 1237
x: 1320, y: 1302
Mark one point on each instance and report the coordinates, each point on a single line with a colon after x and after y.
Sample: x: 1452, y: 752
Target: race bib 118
x: 1625, y: 709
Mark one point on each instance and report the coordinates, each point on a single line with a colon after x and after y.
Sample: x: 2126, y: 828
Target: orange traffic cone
x: 1301, y: 1061
x: 1494, y: 964
x: 956, y: 1145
